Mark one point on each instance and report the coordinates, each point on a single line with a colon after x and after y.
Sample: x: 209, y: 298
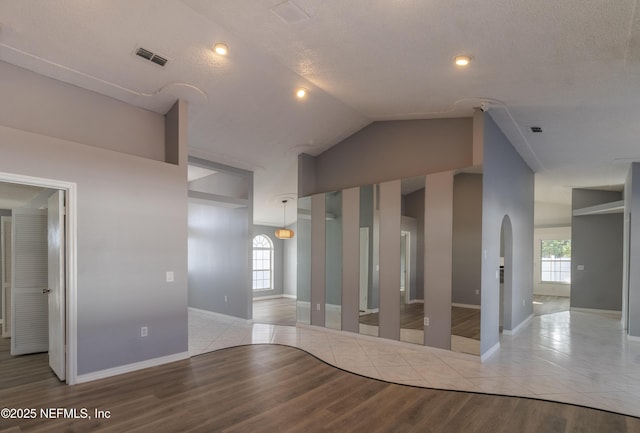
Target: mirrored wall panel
x: 412, y: 261
x: 303, y: 235
x: 369, y: 288
x: 333, y: 260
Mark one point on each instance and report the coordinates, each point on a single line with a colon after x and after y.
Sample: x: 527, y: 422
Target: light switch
x: 169, y: 276
x: 581, y: 267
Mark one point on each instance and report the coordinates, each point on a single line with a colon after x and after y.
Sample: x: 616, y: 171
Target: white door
x: 5, y: 253
x: 364, y: 267
x: 56, y: 244
x: 29, y: 275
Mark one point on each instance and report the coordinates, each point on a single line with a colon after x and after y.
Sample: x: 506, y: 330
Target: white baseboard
x: 633, y: 338
x: 131, y: 367
x: 219, y: 315
x: 475, y: 307
x: 518, y: 328
x: 286, y: 295
x: 416, y: 301
x: 258, y: 298
x: 490, y: 352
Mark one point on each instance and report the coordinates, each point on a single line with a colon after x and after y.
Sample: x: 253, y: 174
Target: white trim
x: 518, y: 328
x: 474, y: 307
x: 616, y: 313
x: 486, y: 355
x: 415, y: 301
x: 257, y: 298
x: 289, y: 296
x: 71, y: 190
x: 633, y: 338
x: 109, y: 372
x: 220, y: 315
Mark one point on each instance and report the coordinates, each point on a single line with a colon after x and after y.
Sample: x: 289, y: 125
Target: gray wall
x: 278, y: 260
x: 389, y: 274
x: 632, y: 207
x: 596, y: 244
x: 3, y: 212
x: 219, y: 243
x: 438, y: 259
x: 384, y: 151
x: 318, y: 256
x: 132, y: 211
x: 351, y: 259
x: 507, y: 190
x: 367, y: 211
x: 77, y: 115
x: 467, y: 238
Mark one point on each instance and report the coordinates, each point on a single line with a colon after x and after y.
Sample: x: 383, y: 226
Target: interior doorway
x: 39, y: 272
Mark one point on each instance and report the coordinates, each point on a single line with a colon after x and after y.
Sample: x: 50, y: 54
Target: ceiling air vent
x: 151, y: 56
x: 536, y: 129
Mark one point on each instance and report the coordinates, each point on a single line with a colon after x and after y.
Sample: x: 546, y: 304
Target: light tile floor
x: 572, y: 357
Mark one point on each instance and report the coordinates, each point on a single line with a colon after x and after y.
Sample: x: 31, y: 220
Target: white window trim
x: 547, y: 287
x: 271, y: 259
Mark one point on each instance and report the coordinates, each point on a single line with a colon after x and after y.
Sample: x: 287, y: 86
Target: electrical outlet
x: 144, y: 331
x: 226, y: 299
x: 477, y: 291
x: 317, y: 307
x: 426, y: 321
x: 170, y: 277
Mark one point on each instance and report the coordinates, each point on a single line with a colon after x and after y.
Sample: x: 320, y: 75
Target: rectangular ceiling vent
x: 536, y: 129
x: 151, y: 56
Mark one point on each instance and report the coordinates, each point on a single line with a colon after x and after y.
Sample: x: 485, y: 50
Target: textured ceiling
x: 571, y: 67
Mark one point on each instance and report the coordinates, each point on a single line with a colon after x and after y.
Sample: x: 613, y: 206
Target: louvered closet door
x: 5, y: 252
x: 29, y: 304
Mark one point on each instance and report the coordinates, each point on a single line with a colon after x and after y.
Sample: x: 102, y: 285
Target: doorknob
x: 45, y: 291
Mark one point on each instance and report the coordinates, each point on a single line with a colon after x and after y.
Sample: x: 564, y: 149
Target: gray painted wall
x: 303, y: 235
x: 467, y: 238
x: 5, y: 213
x: 132, y: 213
x: 632, y: 207
x: 438, y: 259
x: 367, y: 221
x: 384, y: 151
x: 596, y: 244
x: 389, y: 273
x: 219, y: 244
x: 318, y: 256
x: 56, y: 109
x: 507, y: 189
x: 278, y: 260
x: 351, y: 259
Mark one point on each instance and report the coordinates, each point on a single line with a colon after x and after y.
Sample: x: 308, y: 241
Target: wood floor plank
x: 271, y: 388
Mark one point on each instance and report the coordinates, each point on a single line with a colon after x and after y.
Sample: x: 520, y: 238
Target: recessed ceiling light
x: 221, y: 49
x: 301, y: 93
x: 462, y: 61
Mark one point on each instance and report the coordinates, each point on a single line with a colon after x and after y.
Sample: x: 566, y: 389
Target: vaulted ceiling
x: 570, y: 67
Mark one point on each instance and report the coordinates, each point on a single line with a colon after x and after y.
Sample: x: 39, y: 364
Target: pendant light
x: 284, y: 233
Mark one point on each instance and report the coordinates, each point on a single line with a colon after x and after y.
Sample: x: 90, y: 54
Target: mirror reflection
x: 303, y: 236
x: 466, y: 263
x: 412, y: 260
x: 368, y: 300
x: 333, y: 260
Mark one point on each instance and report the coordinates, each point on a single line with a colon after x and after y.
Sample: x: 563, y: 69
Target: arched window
x: 262, y: 263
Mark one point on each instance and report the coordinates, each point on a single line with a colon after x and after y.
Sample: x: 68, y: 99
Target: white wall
x: 550, y: 289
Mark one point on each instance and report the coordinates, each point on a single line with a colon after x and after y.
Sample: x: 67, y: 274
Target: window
x: 555, y: 261
x: 262, y: 263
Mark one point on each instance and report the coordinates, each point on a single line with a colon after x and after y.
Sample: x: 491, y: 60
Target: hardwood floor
x: 271, y: 388
x: 276, y: 311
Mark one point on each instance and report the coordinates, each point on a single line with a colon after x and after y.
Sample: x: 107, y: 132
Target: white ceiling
x: 571, y: 67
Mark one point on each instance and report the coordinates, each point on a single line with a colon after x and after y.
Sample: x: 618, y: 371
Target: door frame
x: 71, y: 259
